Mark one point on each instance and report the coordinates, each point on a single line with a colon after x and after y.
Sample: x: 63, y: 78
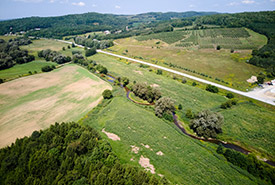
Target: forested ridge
x: 67, y: 153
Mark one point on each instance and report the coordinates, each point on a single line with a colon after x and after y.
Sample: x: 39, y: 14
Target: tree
x: 107, y: 94
x: 218, y: 47
x: 212, y: 88
x: 159, y: 72
x: 184, y: 81
x: 101, y: 69
x: 261, y: 78
x: 194, y: 84
x: 180, y: 107
x: 163, y: 106
x: 125, y: 81
x: 90, y: 52
x: 207, y: 124
x: 189, y: 114
x: 73, y: 45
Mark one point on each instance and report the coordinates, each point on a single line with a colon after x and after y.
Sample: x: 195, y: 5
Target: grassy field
x: 184, y: 160
x: 229, y: 38
x: 23, y: 69
x: 223, y: 65
x: 244, y: 116
x: 37, y: 101
x: 43, y: 44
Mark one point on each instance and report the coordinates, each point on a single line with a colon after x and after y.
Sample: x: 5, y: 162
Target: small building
x: 37, y: 29
x: 107, y: 32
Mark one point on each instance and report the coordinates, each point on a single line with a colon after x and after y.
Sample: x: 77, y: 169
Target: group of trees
x: 146, y: 92
x: 229, y: 103
x: 249, y: 163
x: 207, y: 124
x: 93, y: 43
x: 67, y: 153
x: 212, y: 88
x: 48, y: 68
x: 11, y: 54
x: 54, y: 56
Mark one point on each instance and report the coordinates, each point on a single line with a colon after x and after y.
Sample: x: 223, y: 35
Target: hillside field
x: 37, y: 101
x: 221, y: 66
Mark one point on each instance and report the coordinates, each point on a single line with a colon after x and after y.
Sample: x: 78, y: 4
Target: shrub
x: 194, y: 84
x: 180, y: 107
x: 184, y: 81
x: 107, y: 94
x: 1, y: 80
x: 229, y: 95
x: 218, y: 47
x: 159, y: 72
x: 47, y: 68
x: 90, y: 52
x: 101, y: 69
x: 212, y: 88
x: 189, y: 114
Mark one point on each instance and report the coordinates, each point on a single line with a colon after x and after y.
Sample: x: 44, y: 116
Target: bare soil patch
x: 110, y: 135
x: 35, y: 102
x: 138, y: 72
x: 145, y: 163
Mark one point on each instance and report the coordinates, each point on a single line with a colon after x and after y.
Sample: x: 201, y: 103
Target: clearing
x: 37, y: 101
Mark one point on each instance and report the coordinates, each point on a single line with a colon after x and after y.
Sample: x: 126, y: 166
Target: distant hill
x: 82, y: 23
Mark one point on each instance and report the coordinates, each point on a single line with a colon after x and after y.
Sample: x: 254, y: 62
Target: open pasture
x: 37, y: 101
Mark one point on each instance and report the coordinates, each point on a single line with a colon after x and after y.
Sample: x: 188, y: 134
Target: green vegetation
x: 212, y: 88
x: 90, y: 52
x: 11, y: 54
x: 48, y: 68
x: 107, y: 94
x: 164, y: 107
x: 246, y: 123
x: 168, y: 37
x: 249, y: 163
x: 184, y: 160
x: 207, y: 124
x: 23, y: 69
x: 146, y: 92
x: 54, y: 56
x: 66, y: 153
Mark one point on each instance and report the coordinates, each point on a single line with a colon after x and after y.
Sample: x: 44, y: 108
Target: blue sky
x: 26, y: 8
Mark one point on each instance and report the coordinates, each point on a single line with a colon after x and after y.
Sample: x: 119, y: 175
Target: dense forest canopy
x: 67, y: 153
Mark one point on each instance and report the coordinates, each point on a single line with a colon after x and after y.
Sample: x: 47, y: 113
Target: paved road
x: 246, y: 94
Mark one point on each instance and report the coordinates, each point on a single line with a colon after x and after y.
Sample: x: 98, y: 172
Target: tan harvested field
x: 35, y: 102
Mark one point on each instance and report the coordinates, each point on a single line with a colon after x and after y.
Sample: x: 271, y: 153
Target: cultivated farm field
x: 35, y: 102
x: 222, y: 65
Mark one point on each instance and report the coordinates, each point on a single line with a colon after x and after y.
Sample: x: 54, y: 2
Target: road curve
x: 246, y: 94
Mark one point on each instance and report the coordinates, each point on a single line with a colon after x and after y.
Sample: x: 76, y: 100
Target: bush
x: 47, y: 68
x: 1, y: 80
x: 229, y: 95
x: 159, y: 72
x: 207, y: 124
x: 184, y: 81
x: 212, y: 88
x: 194, y: 84
x: 228, y: 104
x: 180, y: 107
x: 90, y: 52
x: 189, y: 114
x: 107, y: 94
x: 101, y: 69
x: 218, y: 47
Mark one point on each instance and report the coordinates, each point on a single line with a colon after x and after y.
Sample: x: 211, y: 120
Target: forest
x: 67, y: 153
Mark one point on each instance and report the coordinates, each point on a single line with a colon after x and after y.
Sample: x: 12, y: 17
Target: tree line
x: 67, y: 153
x: 54, y: 56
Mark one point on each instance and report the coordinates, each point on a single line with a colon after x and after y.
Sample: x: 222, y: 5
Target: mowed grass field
x: 247, y: 124
x: 23, y: 69
x: 183, y: 160
x: 35, y: 102
x: 224, y: 65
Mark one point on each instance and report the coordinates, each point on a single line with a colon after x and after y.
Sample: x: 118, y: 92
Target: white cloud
x: 117, y: 7
x: 94, y: 5
x: 272, y: 1
x: 52, y: 1
x: 78, y: 4
x: 248, y: 1
x: 191, y: 6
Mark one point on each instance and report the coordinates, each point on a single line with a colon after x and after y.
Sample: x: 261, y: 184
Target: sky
x: 10, y: 9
